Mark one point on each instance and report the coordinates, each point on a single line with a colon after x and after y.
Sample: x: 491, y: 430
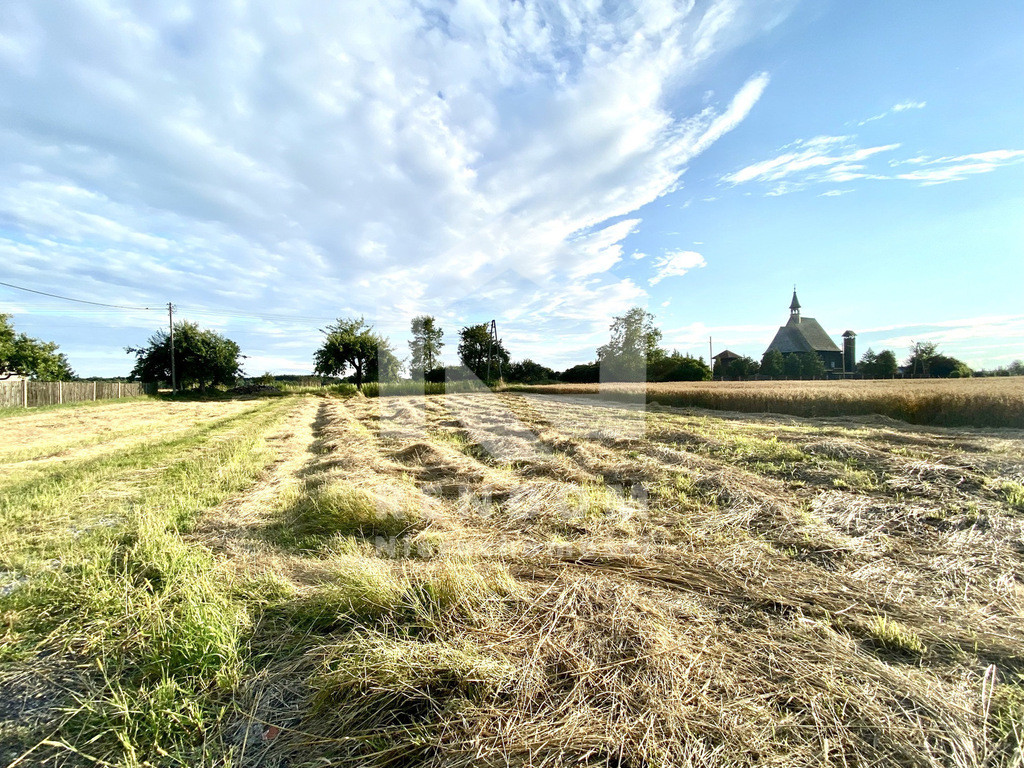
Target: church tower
x: 794, y: 308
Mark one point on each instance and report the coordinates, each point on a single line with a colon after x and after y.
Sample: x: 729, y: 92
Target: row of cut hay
x: 408, y: 388
x: 965, y: 402
x: 722, y: 652
x: 582, y: 664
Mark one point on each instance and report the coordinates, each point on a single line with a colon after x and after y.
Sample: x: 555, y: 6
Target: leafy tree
x: 811, y: 366
x: 425, y: 346
x: 791, y: 367
x: 949, y: 368
x: 476, y: 347
x: 632, y: 347
x: 921, y: 355
x: 742, y: 368
x: 202, y: 358
x: 677, y: 367
x: 1016, y: 368
x: 880, y: 366
x: 21, y: 354
x: 584, y: 373
x: 772, y: 364
x: 353, y: 345
x: 888, y: 367
x: 529, y: 372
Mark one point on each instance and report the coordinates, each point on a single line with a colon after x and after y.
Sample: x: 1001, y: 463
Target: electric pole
x: 170, y: 320
x: 493, y: 343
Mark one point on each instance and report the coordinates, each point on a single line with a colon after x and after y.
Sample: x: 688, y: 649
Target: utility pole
x: 710, y: 359
x: 492, y: 342
x: 170, y: 320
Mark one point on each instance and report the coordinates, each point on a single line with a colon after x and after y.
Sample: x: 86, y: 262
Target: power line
x: 185, y: 308
x: 78, y: 301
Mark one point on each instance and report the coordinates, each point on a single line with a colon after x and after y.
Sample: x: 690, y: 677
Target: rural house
x: 805, y: 334
x: 723, y: 358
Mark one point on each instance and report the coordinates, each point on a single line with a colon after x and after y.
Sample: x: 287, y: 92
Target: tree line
x: 352, y: 350
x: 923, y: 360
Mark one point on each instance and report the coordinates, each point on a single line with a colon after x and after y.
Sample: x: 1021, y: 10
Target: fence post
x: 94, y: 391
x: 24, y: 392
x: 60, y: 392
x: 119, y: 390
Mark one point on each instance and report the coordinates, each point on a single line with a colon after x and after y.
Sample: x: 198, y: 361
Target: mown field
x: 510, y: 579
x: 983, y: 402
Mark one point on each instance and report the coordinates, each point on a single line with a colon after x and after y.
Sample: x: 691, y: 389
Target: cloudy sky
x: 270, y: 166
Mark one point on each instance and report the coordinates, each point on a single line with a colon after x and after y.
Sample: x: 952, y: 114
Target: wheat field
x: 982, y: 402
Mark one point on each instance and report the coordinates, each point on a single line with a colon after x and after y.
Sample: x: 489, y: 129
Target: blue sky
x: 271, y: 166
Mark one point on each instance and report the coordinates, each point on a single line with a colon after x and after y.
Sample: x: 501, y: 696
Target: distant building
x: 723, y: 358
x: 804, y: 334
x: 849, y: 351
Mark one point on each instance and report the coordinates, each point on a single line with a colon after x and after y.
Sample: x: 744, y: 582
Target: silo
x: 849, y: 352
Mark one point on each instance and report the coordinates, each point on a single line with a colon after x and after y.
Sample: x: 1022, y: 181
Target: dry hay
x: 654, y: 600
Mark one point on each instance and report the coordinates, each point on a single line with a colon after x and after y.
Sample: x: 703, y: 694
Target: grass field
x: 984, y: 402
x: 509, y: 579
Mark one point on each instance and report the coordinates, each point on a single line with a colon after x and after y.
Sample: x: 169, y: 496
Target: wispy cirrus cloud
x: 822, y: 159
x: 943, y: 169
x: 841, y: 160
x: 903, y: 106
x: 676, y: 264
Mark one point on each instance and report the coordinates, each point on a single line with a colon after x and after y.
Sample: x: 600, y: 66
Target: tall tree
x: 425, y: 346
x: 886, y: 364
x: 811, y: 366
x: 353, y: 345
x: 202, y: 358
x: 772, y: 364
x: 632, y: 346
x: 921, y: 355
x: 878, y: 366
x: 530, y: 372
x: 21, y: 354
x: 742, y: 368
x: 677, y: 367
x: 476, y: 348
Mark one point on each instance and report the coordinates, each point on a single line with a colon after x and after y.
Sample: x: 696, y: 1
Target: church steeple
x: 794, y: 307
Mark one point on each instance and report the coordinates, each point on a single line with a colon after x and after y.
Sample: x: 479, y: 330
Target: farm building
x: 805, y: 334
x: 723, y: 358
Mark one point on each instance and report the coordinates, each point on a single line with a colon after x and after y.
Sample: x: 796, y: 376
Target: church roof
x: 795, y: 303
x: 802, y: 334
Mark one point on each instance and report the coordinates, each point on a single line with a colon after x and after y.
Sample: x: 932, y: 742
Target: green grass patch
x: 1013, y: 493
x: 376, y: 592
x: 327, y: 510
x: 153, y: 627
x: 895, y: 637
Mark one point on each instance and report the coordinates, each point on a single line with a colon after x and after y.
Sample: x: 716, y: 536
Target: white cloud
x: 903, y: 106
x: 271, y: 158
x: 943, y: 169
x: 676, y: 264
x: 823, y: 158
x: 985, y: 341
x: 839, y: 160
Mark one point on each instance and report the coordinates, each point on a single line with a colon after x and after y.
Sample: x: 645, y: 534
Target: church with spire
x: 805, y: 334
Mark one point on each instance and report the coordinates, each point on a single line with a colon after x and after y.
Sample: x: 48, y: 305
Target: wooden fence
x: 30, y: 394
